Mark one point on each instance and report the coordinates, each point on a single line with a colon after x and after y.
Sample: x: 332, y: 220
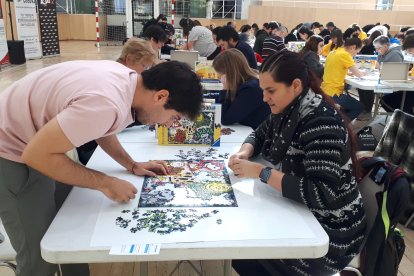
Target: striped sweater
x: 318, y: 173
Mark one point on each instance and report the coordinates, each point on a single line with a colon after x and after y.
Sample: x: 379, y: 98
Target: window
x: 384, y: 4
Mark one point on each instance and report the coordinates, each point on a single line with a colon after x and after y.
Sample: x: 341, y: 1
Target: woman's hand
x: 151, y: 168
x: 244, y: 168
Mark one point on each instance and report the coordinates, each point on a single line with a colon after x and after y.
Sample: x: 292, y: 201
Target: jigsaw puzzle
x: 191, y: 183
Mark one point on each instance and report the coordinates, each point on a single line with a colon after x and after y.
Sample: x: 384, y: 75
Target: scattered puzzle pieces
x: 165, y: 221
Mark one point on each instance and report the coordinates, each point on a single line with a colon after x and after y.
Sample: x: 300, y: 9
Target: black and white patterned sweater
x: 318, y: 173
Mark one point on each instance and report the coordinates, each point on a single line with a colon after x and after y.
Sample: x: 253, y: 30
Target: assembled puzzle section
x: 190, y: 183
x: 365, y: 62
x: 205, y: 130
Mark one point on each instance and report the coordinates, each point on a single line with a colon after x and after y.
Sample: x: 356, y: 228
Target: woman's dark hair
x: 156, y: 32
x: 337, y: 33
x: 183, y: 85
x: 254, y: 26
x: 348, y: 33
x: 285, y: 67
x: 161, y: 17
x: 408, y: 42
x: 353, y: 41
x: 197, y: 23
x: 245, y: 28
x: 187, y: 24
x: 374, y: 35
x: 312, y: 44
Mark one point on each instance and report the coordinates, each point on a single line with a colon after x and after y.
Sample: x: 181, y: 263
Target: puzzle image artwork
x: 162, y: 222
x: 201, y: 131
x: 191, y: 183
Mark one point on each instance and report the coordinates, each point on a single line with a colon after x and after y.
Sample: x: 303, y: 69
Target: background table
x: 371, y: 82
x: 68, y: 238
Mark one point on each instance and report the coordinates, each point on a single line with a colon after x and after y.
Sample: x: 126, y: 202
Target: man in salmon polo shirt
x: 53, y: 110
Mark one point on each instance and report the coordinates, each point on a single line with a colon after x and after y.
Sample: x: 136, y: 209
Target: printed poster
x: 48, y: 27
x: 27, y: 27
x: 4, y: 56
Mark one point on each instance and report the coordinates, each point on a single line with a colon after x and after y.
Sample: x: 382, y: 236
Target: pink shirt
x: 91, y: 99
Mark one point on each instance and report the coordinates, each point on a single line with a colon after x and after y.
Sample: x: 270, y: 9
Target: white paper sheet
x: 262, y: 214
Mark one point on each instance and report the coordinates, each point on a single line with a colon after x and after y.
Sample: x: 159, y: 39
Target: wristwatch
x: 265, y: 174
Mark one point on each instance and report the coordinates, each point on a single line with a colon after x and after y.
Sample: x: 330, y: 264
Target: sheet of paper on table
x: 262, y: 213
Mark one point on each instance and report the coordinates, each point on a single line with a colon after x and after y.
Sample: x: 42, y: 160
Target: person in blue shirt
x: 228, y: 38
x: 242, y: 97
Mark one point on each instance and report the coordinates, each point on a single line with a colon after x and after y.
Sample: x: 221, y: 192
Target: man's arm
x: 46, y: 153
x: 112, y: 146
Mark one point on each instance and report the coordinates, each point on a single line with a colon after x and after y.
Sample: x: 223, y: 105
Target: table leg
x: 403, y: 100
x: 376, y: 105
x: 227, y: 268
x: 143, y: 268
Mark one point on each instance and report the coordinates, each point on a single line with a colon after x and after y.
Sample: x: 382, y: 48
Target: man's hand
x: 151, y: 168
x: 245, y: 169
x: 119, y: 190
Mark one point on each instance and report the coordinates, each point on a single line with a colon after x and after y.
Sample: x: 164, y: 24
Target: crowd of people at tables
x: 299, y: 110
x: 303, y: 118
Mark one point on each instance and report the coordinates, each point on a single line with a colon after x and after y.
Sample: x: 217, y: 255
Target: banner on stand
x: 4, y: 51
x: 49, y: 27
x: 27, y: 27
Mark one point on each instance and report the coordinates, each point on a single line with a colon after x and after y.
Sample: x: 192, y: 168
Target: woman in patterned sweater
x: 312, y: 150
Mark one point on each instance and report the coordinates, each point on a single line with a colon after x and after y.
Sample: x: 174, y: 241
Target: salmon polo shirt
x: 90, y: 99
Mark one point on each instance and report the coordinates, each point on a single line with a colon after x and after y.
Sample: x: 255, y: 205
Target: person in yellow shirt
x: 335, y: 42
x: 338, y: 63
x: 361, y: 34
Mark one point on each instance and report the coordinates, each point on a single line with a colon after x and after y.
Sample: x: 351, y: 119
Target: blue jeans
x: 349, y: 105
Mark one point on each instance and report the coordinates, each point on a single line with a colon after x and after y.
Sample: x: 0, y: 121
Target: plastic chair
x: 7, y: 253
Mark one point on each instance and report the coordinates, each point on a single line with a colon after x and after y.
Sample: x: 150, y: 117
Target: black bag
x: 384, y: 246
x: 366, y: 139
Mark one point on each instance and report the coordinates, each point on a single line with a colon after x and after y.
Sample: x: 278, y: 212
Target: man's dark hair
x: 330, y: 24
x: 404, y: 29
x: 155, y: 32
x: 183, y: 85
x: 216, y: 30
x: 227, y: 32
x: 316, y: 25
x: 273, y: 25
x: 353, y: 41
x: 408, y: 42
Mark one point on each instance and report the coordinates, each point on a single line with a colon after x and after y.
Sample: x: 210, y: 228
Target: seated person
x: 156, y: 35
x: 393, y: 101
x: 336, y: 42
x: 310, y: 54
x: 337, y: 65
x: 260, y: 37
x: 322, y: 32
x: 199, y: 39
x: 275, y: 42
x: 228, y: 38
x: 312, y: 155
x: 242, y: 98
x: 305, y: 33
x: 368, y: 48
x: 386, y: 53
x: 245, y: 32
